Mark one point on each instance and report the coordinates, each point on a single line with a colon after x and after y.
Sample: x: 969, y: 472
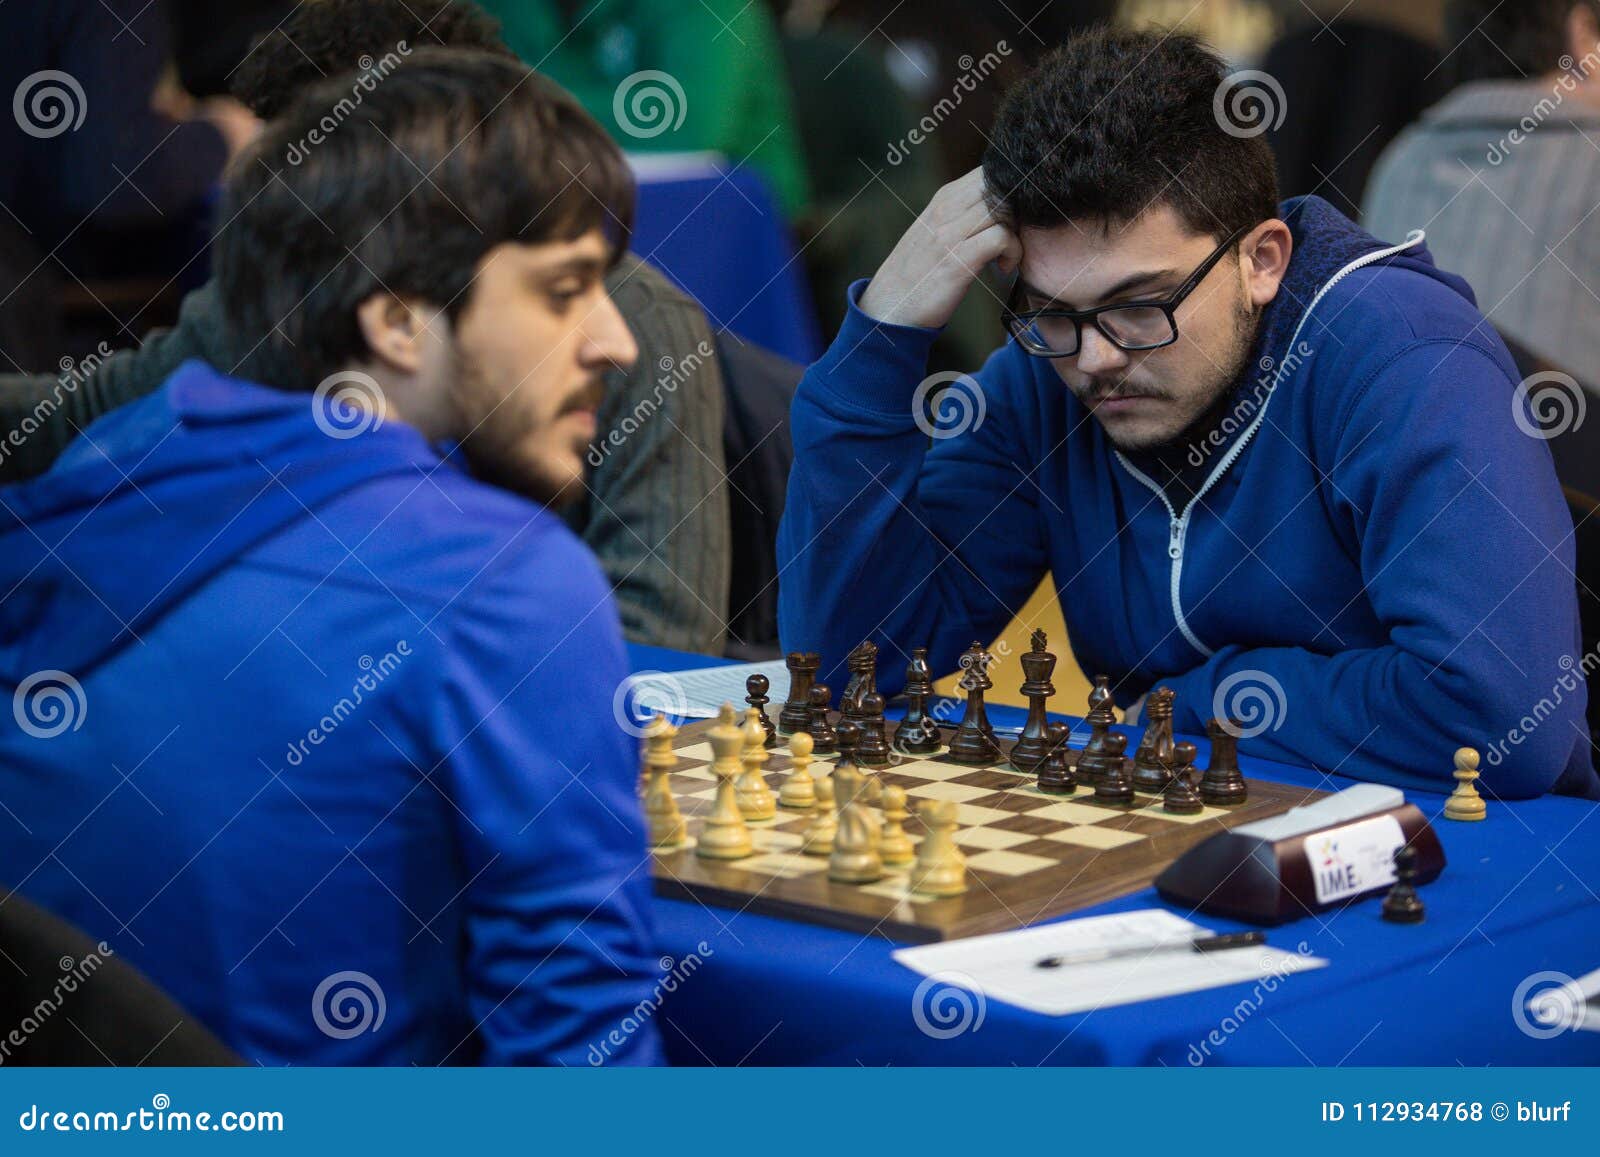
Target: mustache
x: 587, y: 397
x: 1094, y: 394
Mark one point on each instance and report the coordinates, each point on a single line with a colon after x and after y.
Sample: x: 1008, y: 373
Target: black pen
x: 1199, y: 944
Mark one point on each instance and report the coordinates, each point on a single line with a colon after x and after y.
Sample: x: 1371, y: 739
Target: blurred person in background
x: 722, y: 54
x: 1504, y: 173
x: 97, y: 177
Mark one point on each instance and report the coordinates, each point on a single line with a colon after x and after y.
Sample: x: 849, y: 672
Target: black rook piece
x: 1180, y: 796
x: 974, y: 743
x: 824, y: 740
x: 873, y: 748
x: 918, y: 734
x: 755, y: 694
x: 1223, y: 784
x: 1402, y: 905
x: 1033, y: 746
x: 1055, y: 777
x: 796, y: 713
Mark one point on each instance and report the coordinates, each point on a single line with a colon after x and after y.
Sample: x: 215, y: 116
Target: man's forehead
x: 590, y: 247
x: 1085, y: 261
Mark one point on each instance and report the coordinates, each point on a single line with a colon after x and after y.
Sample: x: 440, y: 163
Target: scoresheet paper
x: 1004, y: 966
x: 701, y: 691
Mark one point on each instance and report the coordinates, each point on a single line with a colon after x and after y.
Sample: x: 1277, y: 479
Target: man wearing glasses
x: 1271, y: 462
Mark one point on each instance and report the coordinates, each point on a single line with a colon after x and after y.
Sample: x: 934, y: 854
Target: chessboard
x: 1030, y: 856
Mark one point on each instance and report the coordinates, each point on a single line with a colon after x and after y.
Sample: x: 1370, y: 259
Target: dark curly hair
x: 401, y: 185
x: 330, y: 37
x: 1113, y: 123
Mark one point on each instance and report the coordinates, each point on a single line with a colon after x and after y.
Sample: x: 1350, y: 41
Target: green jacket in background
x: 655, y: 507
x: 723, y: 55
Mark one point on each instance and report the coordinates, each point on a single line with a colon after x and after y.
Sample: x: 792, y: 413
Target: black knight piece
x: 1153, y: 762
x: 755, y: 694
x: 796, y: 713
x: 974, y: 742
x: 862, y: 664
x: 918, y: 734
x: 1223, y: 783
x: 1033, y: 745
x: 825, y: 741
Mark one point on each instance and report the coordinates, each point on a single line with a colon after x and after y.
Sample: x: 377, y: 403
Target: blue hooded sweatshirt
x: 317, y: 731
x: 1376, y: 571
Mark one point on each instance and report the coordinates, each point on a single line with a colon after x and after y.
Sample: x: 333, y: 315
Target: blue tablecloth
x: 1519, y: 897
x: 716, y: 232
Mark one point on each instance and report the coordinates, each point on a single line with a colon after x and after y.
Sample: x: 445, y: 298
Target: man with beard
x: 315, y: 720
x: 1271, y: 462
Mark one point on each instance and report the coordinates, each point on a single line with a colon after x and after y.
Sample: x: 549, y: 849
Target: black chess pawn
x: 1094, y: 760
x: 1115, y: 784
x: 917, y: 733
x: 796, y: 713
x: 1055, y: 774
x: 974, y: 742
x: 1223, y: 784
x: 755, y: 694
x: 1402, y: 905
x: 1033, y: 746
x: 825, y: 741
x: 1179, y: 796
x: 1153, y: 763
x: 873, y: 748
x: 849, y: 734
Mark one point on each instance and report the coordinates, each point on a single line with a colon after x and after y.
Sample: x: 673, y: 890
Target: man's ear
x: 1264, y: 259
x: 394, y: 330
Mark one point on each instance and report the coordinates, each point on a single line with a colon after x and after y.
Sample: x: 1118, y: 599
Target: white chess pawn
x: 799, y: 791
x: 1465, y: 803
x: 660, y: 809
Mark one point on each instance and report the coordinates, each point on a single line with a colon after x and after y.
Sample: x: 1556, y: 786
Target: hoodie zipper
x: 1178, y: 523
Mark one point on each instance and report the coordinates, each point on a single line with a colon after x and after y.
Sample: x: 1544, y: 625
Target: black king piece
x: 1033, y: 746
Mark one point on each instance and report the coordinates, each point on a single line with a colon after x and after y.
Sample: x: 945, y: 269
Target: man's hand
x: 939, y: 258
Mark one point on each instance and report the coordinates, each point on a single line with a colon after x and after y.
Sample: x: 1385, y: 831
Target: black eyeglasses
x: 1128, y: 325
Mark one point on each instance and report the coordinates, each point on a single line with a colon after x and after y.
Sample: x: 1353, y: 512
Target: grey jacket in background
x: 655, y: 511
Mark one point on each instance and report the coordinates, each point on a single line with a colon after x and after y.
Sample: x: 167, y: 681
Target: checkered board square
x: 1031, y: 856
